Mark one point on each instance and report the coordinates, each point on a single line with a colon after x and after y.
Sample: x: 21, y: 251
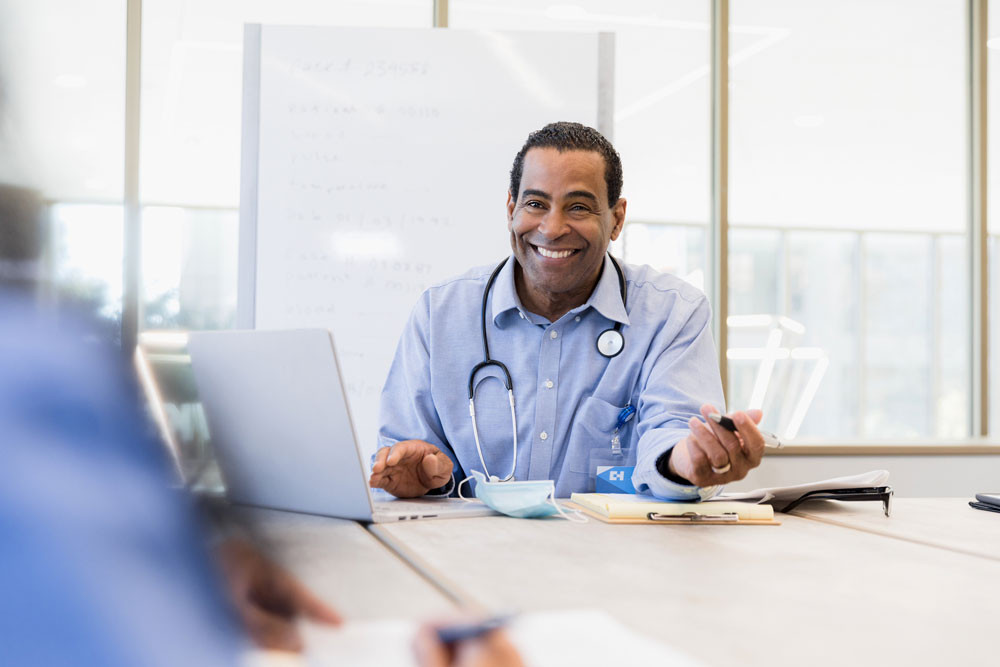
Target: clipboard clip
x: 695, y: 517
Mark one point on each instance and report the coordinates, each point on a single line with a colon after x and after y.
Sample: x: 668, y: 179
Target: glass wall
x: 86, y: 260
x: 848, y: 250
x: 993, y: 222
x: 62, y: 135
x: 661, y: 116
x: 848, y: 214
x: 189, y: 260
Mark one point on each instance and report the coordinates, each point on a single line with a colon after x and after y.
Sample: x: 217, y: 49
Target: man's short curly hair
x: 565, y: 136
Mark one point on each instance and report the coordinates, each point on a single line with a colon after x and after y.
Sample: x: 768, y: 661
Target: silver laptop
x: 282, y: 431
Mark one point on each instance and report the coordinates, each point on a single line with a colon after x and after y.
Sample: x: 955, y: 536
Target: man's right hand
x: 410, y: 468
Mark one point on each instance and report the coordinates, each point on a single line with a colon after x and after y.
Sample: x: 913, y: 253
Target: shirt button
x: 521, y: 314
x: 553, y: 335
x: 543, y: 435
x: 548, y: 384
x: 577, y: 318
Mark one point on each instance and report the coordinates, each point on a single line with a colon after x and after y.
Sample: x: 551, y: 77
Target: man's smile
x: 554, y: 253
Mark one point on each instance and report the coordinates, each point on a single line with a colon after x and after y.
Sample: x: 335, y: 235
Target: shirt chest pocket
x: 590, y: 437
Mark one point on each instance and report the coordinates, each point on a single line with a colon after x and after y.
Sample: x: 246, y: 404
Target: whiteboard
x: 375, y: 163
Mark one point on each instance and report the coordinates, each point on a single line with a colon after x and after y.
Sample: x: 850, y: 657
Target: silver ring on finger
x: 724, y: 469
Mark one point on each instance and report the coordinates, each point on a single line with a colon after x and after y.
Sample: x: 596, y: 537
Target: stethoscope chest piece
x: 610, y: 343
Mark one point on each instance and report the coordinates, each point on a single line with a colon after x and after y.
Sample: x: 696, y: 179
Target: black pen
x: 770, y: 439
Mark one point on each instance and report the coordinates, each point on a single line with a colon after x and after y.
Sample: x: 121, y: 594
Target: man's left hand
x: 709, y: 447
x: 269, y: 599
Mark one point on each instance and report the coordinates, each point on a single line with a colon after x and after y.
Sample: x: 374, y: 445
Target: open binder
x: 871, y: 485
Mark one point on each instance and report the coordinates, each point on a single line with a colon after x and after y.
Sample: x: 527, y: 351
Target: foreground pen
x: 452, y: 634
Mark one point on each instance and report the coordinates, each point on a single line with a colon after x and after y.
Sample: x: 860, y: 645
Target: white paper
x: 790, y: 493
x: 579, y: 637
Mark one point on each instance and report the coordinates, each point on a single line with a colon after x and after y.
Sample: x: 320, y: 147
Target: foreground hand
x: 268, y: 598
x: 493, y: 649
x: 410, y: 468
x: 709, y: 445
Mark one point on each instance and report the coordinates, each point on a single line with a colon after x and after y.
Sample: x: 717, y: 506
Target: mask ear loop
x: 576, y: 516
x: 468, y: 500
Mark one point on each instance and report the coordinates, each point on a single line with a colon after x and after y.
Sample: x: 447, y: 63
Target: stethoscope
x: 610, y: 343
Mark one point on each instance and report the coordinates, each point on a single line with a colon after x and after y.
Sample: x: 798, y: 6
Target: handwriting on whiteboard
x: 341, y: 220
x: 369, y: 68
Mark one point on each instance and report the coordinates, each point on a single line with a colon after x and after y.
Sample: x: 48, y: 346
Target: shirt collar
x: 607, y: 296
x: 605, y: 299
x: 504, y: 292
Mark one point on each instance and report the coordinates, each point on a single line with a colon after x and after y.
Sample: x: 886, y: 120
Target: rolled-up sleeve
x: 406, y: 410
x: 683, y: 374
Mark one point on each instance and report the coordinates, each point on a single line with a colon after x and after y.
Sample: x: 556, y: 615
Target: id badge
x: 614, y: 479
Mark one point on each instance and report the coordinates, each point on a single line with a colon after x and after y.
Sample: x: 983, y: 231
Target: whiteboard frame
x: 246, y: 290
x: 246, y: 286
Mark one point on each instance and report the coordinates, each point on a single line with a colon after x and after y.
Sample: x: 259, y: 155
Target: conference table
x: 834, y: 584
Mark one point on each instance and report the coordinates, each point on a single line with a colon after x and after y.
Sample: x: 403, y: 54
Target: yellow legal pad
x: 634, y: 508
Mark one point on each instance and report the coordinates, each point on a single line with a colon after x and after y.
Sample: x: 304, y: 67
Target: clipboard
x: 686, y: 519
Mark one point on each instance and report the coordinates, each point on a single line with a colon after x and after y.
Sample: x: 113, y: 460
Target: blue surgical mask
x: 522, y: 500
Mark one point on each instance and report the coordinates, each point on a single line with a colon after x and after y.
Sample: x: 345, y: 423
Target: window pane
x: 676, y: 249
x: 192, y: 76
x: 65, y: 72
x: 993, y: 173
x: 755, y: 272
x: 824, y: 290
x: 86, y: 260
x: 993, y: 114
x: 778, y: 280
x: 851, y: 151
x: 897, y: 388
x: 189, y: 268
x: 950, y: 337
x: 661, y: 110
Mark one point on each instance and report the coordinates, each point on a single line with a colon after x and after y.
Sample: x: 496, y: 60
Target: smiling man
x: 580, y: 398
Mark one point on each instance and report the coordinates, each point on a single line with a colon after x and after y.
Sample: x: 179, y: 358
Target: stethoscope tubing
x: 618, y: 345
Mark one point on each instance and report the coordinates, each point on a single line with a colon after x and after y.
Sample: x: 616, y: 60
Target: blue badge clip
x: 624, y: 417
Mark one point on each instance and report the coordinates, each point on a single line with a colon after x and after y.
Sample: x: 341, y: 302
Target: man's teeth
x: 554, y: 254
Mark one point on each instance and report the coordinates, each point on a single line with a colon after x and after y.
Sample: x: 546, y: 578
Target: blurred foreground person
x: 101, y: 561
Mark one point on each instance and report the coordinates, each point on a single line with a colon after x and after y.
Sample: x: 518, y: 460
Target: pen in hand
x: 452, y: 634
x: 770, y: 439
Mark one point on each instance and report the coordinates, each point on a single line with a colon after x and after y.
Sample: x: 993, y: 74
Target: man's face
x: 560, y: 222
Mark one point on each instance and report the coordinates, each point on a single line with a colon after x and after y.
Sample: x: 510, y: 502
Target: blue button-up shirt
x: 567, y: 395
x: 101, y: 562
